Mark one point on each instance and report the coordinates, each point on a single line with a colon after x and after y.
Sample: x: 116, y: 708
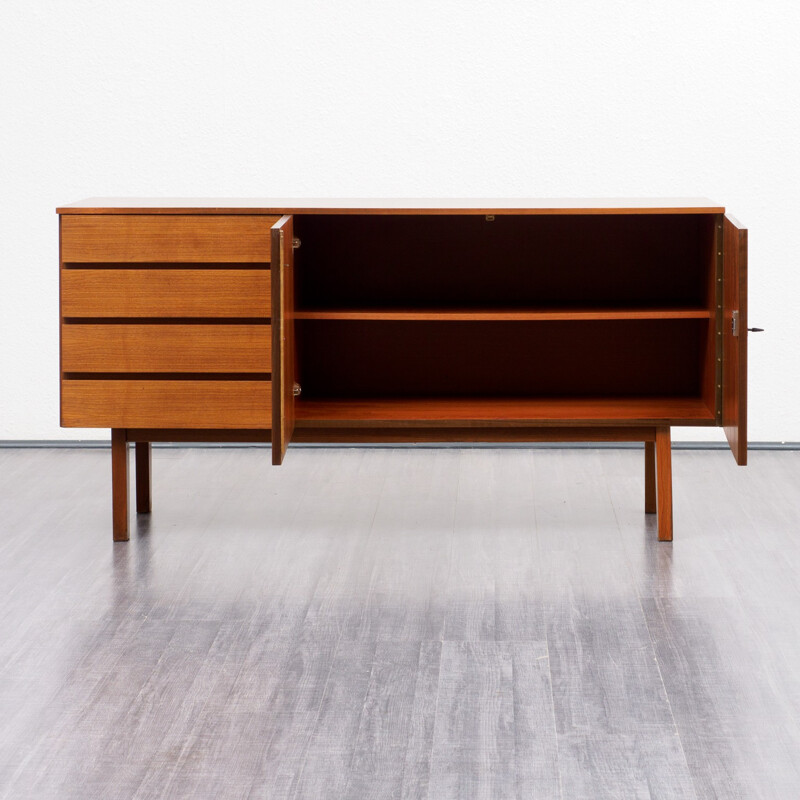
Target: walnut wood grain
x: 165, y: 293
x: 88, y: 238
x: 499, y: 412
x: 166, y: 348
x: 140, y: 403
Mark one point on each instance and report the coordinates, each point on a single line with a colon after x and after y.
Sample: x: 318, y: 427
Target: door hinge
x: 735, y: 323
x: 296, y: 243
x: 296, y: 390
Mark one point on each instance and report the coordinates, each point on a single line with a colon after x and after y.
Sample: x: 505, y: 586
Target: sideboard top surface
x: 329, y: 205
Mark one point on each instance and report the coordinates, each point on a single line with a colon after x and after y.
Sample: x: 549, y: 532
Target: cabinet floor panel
x: 490, y: 412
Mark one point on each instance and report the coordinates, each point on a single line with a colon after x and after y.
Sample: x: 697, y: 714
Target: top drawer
x: 98, y: 238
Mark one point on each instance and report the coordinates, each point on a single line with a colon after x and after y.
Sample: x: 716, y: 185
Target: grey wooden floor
x: 400, y: 624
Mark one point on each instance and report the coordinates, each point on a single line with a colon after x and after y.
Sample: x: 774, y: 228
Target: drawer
x: 165, y: 293
x: 135, y: 403
x: 106, y: 238
x: 166, y: 348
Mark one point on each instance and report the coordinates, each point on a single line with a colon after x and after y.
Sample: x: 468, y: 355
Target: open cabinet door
x: 734, y: 338
x: 283, y: 351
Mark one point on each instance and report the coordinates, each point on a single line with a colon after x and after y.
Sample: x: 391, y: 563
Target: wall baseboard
x: 90, y: 444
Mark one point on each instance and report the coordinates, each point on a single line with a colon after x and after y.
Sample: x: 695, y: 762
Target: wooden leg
x: 142, y: 477
x: 649, y: 477
x: 119, y: 483
x: 664, y: 481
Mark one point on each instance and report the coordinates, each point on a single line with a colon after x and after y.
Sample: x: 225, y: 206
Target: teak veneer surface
x: 165, y: 293
x: 151, y: 237
x: 664, y: 483
x: 734, y: 386
x: 566, y: 320
x: 144, y: 470
x: 328, y: 205
x: 501, y: 412
x: 283, y: 337
x: 120, y: 484
x: 144, y: 403
x: 166, y: 348
x: 507, y: 434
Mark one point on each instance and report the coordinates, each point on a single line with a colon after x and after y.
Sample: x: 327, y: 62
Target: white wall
x: 368, y: 98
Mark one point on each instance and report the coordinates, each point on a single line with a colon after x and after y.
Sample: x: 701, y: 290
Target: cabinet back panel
x: 351, y: 359
x: 514, y: 261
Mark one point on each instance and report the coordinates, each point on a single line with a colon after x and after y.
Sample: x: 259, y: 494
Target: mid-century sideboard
x: 402, y: 321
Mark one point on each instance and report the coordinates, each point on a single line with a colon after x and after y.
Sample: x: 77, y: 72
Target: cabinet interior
x: 457, y: 308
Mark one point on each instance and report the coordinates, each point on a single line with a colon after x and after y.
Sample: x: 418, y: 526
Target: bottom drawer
x: 136, y: 403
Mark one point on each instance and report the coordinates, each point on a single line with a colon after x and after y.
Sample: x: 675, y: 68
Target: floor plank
x: 474, y: 744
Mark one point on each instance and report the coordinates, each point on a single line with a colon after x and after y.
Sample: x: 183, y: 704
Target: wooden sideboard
x: 402, y: 321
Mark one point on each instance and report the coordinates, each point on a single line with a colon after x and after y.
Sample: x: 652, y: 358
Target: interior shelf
x: 495, y: 412
x: 498, y: 315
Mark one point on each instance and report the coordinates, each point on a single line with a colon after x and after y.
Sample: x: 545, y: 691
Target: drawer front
x: 165, y: 293
x: 102, y: 238
x: 135, y: 403
x: 166, y: 348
